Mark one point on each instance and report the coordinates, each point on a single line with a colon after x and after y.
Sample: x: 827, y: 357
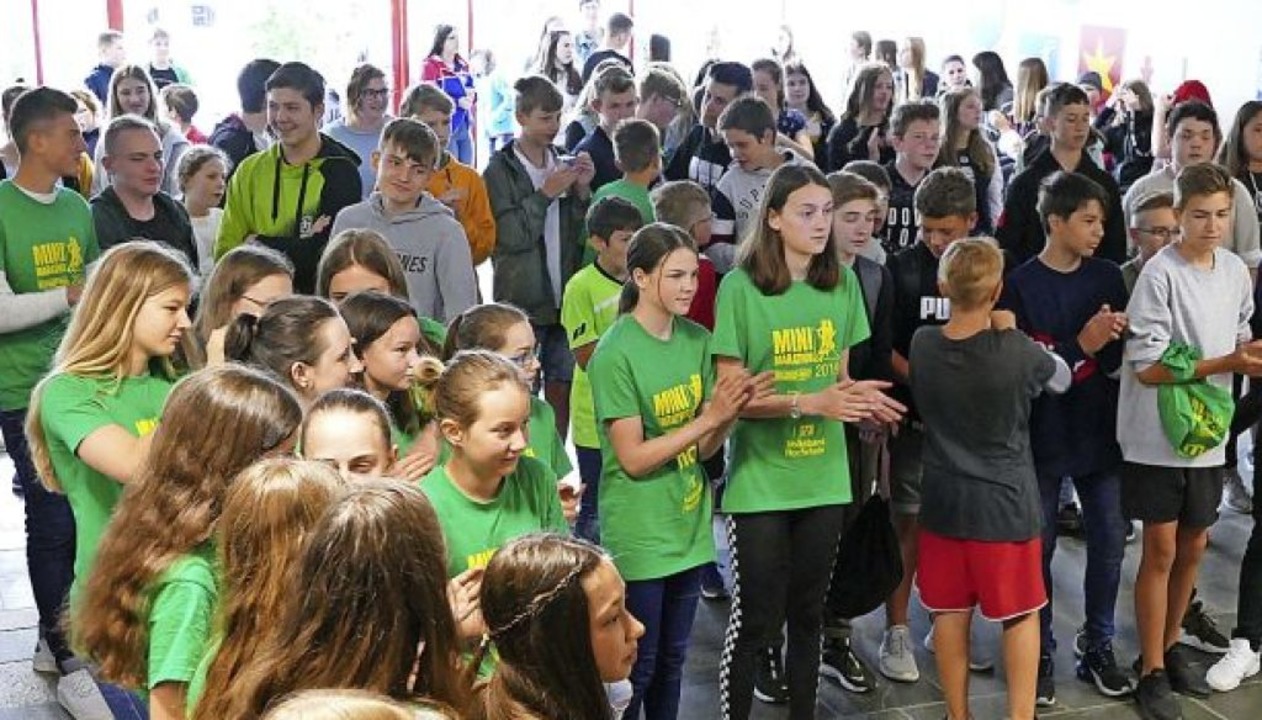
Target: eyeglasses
x: 382, y: 93
x: 260, y: 303
x: 526, y: 359
x: 1164, y: 233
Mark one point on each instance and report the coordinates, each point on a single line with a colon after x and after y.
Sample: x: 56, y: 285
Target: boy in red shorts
x: 972, y: 380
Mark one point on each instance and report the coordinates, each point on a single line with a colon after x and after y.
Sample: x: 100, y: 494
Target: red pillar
x: 114, y: 14
x: 39, y: 50
x: 399, y: 46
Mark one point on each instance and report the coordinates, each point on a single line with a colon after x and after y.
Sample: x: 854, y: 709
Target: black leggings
x: 781, y: 563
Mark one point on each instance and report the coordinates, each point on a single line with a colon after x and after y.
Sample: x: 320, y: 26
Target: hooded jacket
x: 290, y: 208
x: 432, y: 248
x: 170, y: 225
x: 235, y: 139
x: 520, y: 259
x: 473, y: 207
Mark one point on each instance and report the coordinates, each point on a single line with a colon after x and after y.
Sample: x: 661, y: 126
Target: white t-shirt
x: 205, y: 229
x: 551, y: 222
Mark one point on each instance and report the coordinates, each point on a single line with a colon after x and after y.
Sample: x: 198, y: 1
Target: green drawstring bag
x: 1195, y: 414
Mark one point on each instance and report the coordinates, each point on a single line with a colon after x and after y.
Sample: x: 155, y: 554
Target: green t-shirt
x: 637, y: 195
x: 588, y: 308
x: 782, y: 463
x: 528, y: 502
x: 42, y: 247
x: 197, y: 685
x: 72, y: 407
x: 545, y: 443
x: 659, y: 524
x: 181, y: 613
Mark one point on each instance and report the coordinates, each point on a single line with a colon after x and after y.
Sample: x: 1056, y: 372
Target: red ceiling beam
x: 39, y: 50
x: 400, y: 48
x: 114, y: 14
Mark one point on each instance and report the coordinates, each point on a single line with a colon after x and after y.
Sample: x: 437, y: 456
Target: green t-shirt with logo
x: 545, y: 443
x: 589, y: 307
x: 782, y: 463
x: 659, y: 524
x: 528, y: 502
x: 72, y: 407
x: 181, y: 613
x: 42, y: 247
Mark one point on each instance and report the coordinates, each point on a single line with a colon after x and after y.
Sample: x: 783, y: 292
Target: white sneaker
x: 43, y: 661
x: 78, y: 694
x: 977, y: 660
x: 897, y: 661
x: 1240, y: 663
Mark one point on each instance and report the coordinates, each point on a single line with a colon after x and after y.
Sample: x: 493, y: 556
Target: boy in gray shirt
x: 1198, y: 294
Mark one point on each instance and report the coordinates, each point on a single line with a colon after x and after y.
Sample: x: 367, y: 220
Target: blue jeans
x: 461, y: 145
x: 50, y: 536
x: 589, y: 469
x: 123, y: 703
x: 667, y: 607
x: 1100, y: 495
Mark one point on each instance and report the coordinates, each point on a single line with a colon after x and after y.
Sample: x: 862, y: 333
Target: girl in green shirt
x: 90, y: 419
x: 146, y: 609
x: 268, y: 514
x: 369, y: 608
x: 349, y: 431
x: 506, y: 330
x: 660, y: 416
x: 389, y: 344
x: 790, y: 308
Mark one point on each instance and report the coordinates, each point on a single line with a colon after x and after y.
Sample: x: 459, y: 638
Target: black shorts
x: 1155, y: 494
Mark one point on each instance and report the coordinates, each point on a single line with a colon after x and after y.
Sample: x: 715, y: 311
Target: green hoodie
x: 283, y: 205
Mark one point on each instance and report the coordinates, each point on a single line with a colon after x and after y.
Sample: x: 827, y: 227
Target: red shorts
x: 1004, y: 579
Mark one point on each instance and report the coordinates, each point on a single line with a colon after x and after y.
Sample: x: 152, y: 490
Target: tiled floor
x: 28, y: 696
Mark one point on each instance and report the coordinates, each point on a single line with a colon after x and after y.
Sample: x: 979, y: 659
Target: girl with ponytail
x: 660, y: 415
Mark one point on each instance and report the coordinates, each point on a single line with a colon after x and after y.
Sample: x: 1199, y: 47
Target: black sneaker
x: 1200, y: 631
x: 1184, y: 678
x: 1156, y: 699
x: 841, y: 664
x: 1046, y: 695
x: 1080, y: 642
x: 1099, y: 667
x: 770, y: 684
x: 1069, y: 520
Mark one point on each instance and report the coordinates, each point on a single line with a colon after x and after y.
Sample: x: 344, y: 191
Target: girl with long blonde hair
x: 145, y: 612
x: 91, y: 419
x: 268, y: 515
x: 965, y: 146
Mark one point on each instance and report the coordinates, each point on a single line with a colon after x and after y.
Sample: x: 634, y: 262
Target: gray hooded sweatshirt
x: 432, y: 246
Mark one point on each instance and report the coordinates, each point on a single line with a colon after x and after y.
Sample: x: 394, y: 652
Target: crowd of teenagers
x: 281, y: 459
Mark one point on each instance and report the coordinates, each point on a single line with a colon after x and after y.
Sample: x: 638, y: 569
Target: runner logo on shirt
x: 801, y: 353
x: 146, y: 427
x: 57, y: 264
x: 676, y: 406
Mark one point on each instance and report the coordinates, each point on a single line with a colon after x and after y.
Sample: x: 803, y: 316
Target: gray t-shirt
x: 978, y: 481
x: 1174, y: 301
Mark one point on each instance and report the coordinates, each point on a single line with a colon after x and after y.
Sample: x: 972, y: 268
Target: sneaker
x: 978, y: 661
x: 1200, y: 630
x: 79, y: 695
x: 841, y: 664
x: 1240, y: 663
x: 43, y: 660
x: 712, y: 587
x: 1099, y: 667
x: 1235, y: 494
x: 1132, y: 532
x: 1045, y: 695
x: 1069, y: 520
x: 770, y: 684
x: 1156, y: 699
x: 1080, y: 642
x: 1185, y: 679
x: 897, y: 661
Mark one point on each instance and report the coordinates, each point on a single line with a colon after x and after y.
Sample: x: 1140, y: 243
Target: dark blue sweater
x: 1073, y: 434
